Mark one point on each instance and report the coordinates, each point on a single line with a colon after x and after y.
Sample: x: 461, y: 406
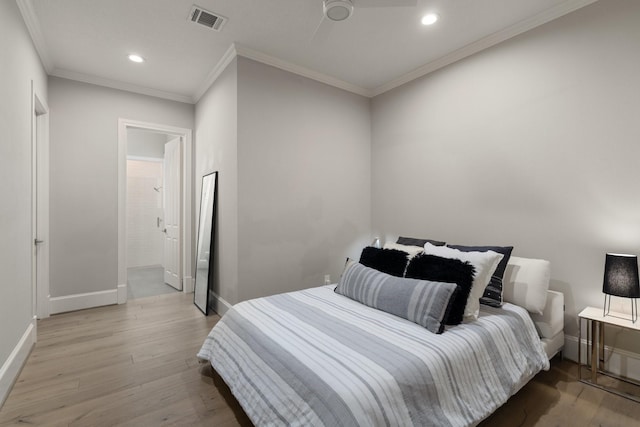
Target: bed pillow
x: 526, y: 282
x: 412, y: 241
x: 409, y: 249
x: 493, y: 292
x: 449, y: 270
x: 390, y: 261
x: 419, y: 301
x: 485, y: 264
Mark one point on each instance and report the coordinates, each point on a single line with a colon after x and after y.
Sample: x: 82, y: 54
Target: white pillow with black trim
x: 485, y: 264
x: 420, y: 301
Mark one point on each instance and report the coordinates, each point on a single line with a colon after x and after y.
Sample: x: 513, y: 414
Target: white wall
x: 145, y: 239
x: 304, y: 192
x: 84, y: 180
x: 534, y: 142
x: 216, y: 136
x: 19, y: 66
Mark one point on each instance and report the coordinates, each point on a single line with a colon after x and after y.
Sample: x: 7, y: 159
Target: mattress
x: 317, y: 358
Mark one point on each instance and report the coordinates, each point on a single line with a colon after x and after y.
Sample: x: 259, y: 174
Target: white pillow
x: 411, y: 250
x: 526, y: 282
x: 485, y: 264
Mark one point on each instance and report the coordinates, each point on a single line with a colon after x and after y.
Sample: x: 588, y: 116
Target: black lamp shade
x: 621, y: 276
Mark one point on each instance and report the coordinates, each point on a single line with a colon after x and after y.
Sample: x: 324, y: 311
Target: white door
x: 172, y: 201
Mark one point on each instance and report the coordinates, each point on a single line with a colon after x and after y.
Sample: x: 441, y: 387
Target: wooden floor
x: 132, y: 365
x: 135, y: 365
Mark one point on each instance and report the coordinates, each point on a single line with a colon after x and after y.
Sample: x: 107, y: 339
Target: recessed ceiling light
x: 429, y: 19
x: 136, y: 58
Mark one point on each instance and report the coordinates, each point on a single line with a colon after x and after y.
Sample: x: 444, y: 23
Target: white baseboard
x: 619, y: 362
x: 122, y: 293
x: 219, y: 305
x: 82, y: 301
x: 13, y: 365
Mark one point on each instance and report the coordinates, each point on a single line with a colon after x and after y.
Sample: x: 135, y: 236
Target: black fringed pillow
x: 448, y: 270
x: 390, y: 261
x: 492, y: 295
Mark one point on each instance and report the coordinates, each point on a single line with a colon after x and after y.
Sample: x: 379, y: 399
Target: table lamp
x: 621, y: 280
x: 376, y: 243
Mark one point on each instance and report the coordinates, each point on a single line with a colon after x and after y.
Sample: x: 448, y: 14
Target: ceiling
x: 374, y: 50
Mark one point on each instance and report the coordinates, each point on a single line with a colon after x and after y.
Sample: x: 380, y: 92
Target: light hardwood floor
x: 135, y: 365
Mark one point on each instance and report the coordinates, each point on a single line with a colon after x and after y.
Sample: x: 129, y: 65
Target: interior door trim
x: 187, y: 185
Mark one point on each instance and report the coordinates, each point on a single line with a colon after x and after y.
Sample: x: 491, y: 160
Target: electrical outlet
x: 327, y: 279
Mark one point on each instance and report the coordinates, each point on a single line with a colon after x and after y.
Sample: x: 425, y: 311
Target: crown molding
x: 301, y: 71
x: 33, y: 26
x: 213, y: 75
x: 485, y: 43
x: 236, y: 50
x: 114, y: 84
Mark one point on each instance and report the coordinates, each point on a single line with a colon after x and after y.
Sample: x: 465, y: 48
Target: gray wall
x: 303, y: 179
x: 84, y: 178
x: 534, y: 142
x: 294, y: 185
x: 216, y: 149
x: 18, y: 68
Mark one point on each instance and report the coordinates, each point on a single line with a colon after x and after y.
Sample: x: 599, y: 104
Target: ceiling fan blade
x: 385, y: 3
x: 322, y: 31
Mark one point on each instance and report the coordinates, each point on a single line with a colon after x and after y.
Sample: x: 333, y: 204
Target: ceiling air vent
x: 208, y: 19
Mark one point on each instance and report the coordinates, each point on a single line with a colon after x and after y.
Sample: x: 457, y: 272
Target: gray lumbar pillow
x: 420, y: 301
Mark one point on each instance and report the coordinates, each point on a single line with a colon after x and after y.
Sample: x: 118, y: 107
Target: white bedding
x: 314, y: 357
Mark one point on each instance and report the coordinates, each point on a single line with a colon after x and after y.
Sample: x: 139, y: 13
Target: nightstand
x: 595, y: 322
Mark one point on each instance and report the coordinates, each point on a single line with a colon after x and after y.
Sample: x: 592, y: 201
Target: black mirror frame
x: 212, y: 223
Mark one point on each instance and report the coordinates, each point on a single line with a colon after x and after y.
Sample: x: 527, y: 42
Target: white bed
x: 550, y: 324
x: 314, y: 357
x: 526, y: 283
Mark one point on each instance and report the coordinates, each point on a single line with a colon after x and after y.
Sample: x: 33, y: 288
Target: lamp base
x: 634, y: 307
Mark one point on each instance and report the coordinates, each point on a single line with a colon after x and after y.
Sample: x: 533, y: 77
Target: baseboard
x: 619, y: 362
x: 13, y: 365
x: 82, y: 301
x: 218, y: 304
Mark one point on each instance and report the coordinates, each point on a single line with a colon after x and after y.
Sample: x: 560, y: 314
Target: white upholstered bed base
x: 550, y: 324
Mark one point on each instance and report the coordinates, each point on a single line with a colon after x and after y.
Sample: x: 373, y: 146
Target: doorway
x: 149, y: 213
x: 154, y: 210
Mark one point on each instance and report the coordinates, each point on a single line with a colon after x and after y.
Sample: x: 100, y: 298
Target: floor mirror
x: 206, y: 242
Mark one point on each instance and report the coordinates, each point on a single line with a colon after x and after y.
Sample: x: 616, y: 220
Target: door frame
x: 186, y: 209
x: 39, y: 205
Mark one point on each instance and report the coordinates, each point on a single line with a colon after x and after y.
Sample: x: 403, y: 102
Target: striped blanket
x: 316, y: 358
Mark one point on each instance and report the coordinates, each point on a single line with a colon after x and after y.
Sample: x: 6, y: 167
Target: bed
x: 317, y: 358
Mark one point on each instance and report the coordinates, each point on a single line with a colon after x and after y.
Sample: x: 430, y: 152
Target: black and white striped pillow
x: 493, y: 292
